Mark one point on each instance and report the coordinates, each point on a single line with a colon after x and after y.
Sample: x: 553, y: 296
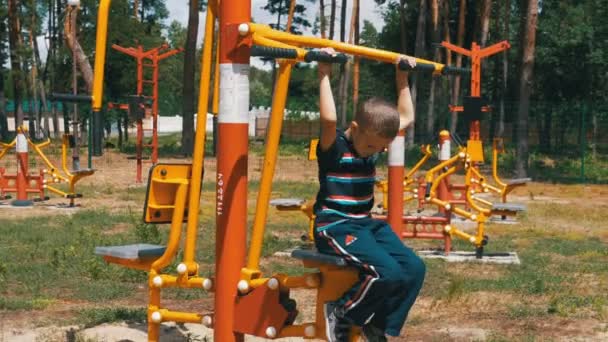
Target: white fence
x: 173, y: 124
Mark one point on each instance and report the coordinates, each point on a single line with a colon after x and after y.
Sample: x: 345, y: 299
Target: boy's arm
x: 405, y: 107
x: 327, y: 106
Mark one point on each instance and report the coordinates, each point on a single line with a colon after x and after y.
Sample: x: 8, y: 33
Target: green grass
x: 93, y: 317
x: 45, y: 261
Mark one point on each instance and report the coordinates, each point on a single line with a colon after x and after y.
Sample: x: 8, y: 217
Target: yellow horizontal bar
x: 178, y: 316
x: 361, y: 51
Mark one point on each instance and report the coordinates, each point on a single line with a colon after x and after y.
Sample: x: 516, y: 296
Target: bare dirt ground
x: 474, y: 319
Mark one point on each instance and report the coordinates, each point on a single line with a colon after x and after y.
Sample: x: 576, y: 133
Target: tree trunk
x: 402, y: 26
x: 135, y: 8
x: 3, y: 117
x: 486, y: 11
x: 430, y: 122
x: 119, y: 130
x: 49, y: 67
x: 66, y: 118
x: 322, y: 21
x: 55, y: 120
x: 13, y: 37
x: 505, y: 71
x: 446, y: 30
x: 40, y: 83
x: 36, y: 86
x: 76, y: 134
x: 188, y: 82
x: 292, y: 8
x: 125, y: 123
x: 332, y: 19
x: 460, y: 42
x: 29, y: 97
x: 81, y: 58
x: 419, y: 51
x: 525, y: 85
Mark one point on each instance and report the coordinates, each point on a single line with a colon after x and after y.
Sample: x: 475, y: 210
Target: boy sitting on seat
x: 391, y: 275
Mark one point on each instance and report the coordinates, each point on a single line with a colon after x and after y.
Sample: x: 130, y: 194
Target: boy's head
x: 375, y: 125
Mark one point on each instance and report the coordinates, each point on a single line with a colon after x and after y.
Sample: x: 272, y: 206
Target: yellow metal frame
x: 503, y: 188
x: 174, y: 191
x: 408, y: 179
x: 6, y: 147
x: 52, y: 174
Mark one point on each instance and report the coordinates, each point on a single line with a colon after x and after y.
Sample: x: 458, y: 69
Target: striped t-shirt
x: 346, y: 183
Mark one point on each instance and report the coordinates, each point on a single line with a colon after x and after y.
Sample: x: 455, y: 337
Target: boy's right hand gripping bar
x: 320, y: 56
x: 427, y: 67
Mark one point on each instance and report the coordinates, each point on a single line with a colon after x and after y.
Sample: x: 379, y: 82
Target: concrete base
x: 22, y: 203
x: 462, y: 256
x: 9, y: 205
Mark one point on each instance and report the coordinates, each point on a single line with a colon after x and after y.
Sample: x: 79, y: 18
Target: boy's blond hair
x: 378, y: 116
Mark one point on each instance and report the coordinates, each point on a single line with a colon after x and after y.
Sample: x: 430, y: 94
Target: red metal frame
x: 154, y: 56
x: 9, y: 183
x: 476, y: 54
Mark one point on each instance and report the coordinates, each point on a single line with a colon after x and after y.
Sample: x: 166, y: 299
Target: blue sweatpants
x: 390, y: 276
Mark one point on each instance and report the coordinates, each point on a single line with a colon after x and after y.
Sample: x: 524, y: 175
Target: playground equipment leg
x: 22, y: 172
x: 231, y: 197
x: 396, y: 161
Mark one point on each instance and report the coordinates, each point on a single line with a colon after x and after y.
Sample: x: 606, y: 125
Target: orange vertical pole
x: 140, y: 70
x: 21, y: 183
x: 396, y: 165
x: 231, y: 196
x: 155, y: 110
x: 474, y: 129
x: 140, y: 129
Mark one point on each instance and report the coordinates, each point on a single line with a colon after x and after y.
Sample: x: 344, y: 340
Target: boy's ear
x: 354, y: 126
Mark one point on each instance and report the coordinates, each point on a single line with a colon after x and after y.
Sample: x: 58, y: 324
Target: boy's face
x: 367, y: 143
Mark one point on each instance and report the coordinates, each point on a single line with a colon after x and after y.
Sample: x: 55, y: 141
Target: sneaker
x: 373, y: 334
x: 337, y: 328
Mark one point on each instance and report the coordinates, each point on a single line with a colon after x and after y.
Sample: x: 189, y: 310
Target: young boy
x: 391, y: 275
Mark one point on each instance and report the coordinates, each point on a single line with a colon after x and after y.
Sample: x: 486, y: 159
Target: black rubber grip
x: 452, y: 70
x: 427, y: 194
x: 71, y: 97
x: 320, y: 56
x: 271, y: 52
x: 403, y: 65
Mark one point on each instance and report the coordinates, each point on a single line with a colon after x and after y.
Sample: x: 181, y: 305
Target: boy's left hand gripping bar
x: 321, y: 56
x: 71, y: 97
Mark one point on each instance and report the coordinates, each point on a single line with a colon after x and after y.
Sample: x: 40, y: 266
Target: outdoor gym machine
x: 23, y: 183
x: 246, y: 302
x: 137, y: 107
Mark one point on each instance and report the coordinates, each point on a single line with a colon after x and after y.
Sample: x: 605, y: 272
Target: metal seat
x: 138, y: 251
